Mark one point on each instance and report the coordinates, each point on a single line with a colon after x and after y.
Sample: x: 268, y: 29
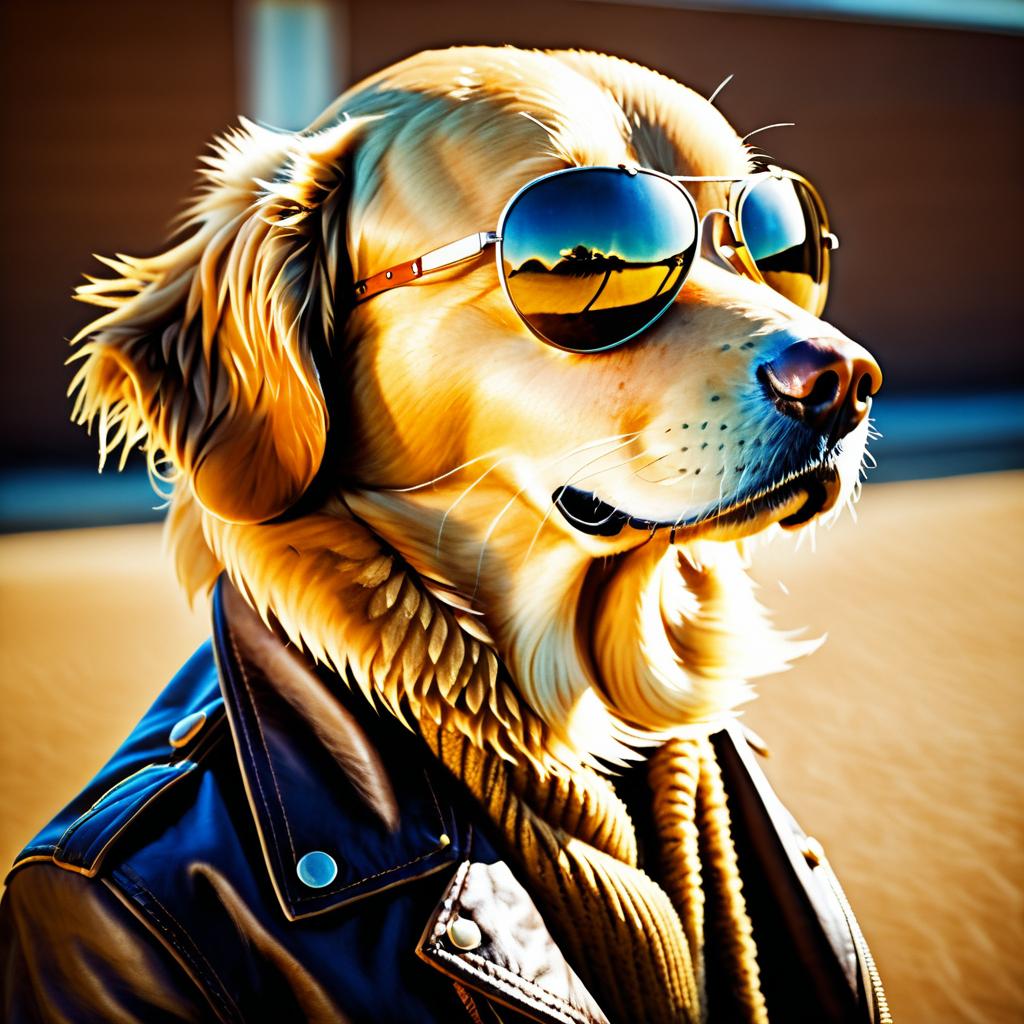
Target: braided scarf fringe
x: 701, y: 874
x: 638, y: 945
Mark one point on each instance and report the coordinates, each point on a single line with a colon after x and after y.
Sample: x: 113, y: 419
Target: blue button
x: 317, y: 869
x: 186, y: 729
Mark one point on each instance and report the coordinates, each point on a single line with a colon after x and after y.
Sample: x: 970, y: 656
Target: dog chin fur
x: 448, y: 596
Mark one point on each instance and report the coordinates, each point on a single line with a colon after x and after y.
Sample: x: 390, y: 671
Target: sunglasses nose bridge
x: 707, y: 217
x: 707, y: 214
x: 708, y: 245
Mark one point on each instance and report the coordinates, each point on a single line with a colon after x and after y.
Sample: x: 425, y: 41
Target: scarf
x: 638, y: 943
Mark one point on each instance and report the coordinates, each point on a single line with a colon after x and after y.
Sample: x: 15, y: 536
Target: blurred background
x: 899, y: 745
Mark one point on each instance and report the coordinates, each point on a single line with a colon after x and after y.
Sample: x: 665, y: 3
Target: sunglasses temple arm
x: 437, y: 259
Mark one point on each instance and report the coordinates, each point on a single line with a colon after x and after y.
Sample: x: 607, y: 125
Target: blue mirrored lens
x: 783, y: 232
x: 593, y: 256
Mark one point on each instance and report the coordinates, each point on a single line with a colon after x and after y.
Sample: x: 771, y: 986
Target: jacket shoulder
x: 63, y: 933
x: 167, y: 745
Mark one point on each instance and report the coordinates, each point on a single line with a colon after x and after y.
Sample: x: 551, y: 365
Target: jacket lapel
x: 336, y: 825
x: 488, y: 935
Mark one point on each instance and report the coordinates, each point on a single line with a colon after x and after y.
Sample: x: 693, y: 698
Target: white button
x: 464, y: 933
x: 814, y: 852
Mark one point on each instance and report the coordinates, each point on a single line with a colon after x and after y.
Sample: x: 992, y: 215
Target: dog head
x: 585, y: 507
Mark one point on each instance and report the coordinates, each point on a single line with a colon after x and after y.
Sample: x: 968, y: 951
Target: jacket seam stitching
x: 179, y: 768
x: 140, y: 805
x: 387, y: 871
x: 130, y: 805
x: 266, y: 750
x: 511, y: 985
x: 66, y: 835
x: 194, y: 955
x: 369, y: 878
x: 55, y: 849
x: 98, y: 805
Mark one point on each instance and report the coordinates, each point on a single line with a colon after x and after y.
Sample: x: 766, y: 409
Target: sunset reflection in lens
x: 593, y: 256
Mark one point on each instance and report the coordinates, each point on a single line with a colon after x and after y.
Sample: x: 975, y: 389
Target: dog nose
x: 825, y: 383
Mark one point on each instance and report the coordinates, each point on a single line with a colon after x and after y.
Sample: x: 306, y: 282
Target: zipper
x: 880, y: 1012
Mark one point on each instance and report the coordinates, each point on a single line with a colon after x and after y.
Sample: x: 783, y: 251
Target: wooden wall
x: 912, y: 134
x: 104, y: 109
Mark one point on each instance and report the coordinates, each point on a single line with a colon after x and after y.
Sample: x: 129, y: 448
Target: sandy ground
x: 900, y: 745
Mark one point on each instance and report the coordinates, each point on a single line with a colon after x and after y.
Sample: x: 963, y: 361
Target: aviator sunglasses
x: 590, y: 257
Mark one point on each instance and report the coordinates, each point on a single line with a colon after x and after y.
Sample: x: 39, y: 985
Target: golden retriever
x: 317, y: 446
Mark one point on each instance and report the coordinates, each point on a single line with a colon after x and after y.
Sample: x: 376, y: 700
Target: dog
x: 541, y: 551
x: 458, y: 426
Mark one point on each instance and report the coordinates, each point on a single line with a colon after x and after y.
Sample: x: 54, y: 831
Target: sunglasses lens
x: 783, y: 228
x: 594, y: 256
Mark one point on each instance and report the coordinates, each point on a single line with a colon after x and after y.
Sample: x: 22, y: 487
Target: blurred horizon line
x: 922, y: 437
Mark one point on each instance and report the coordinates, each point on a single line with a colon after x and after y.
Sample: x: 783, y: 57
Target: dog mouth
x: 790, y: 503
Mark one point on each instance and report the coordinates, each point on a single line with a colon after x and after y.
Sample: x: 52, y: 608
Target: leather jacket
x: 239, y: 860
x: 266, y: 846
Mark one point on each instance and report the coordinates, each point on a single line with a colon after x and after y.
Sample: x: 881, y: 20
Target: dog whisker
x: 586, y: 446
x: 721, y: 485
x: 764, y: 128
x: 437, y: 479
x: 575, y: 451
x: 572, y: 479
x: 609, y: 469
x: 576, y: 478
x: 725, y: 81
x: 648, y: 465
x: 800, y: 537
x: 487, y: 538
x: 451, y: 508
x: 746, y: 471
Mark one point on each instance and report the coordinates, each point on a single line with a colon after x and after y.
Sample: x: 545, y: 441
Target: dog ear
x: 206, y: 359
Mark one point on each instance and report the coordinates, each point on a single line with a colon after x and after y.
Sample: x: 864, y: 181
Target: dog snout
x: 825, y: 383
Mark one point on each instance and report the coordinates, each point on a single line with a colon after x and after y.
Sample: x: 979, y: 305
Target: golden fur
x: 434, y: 428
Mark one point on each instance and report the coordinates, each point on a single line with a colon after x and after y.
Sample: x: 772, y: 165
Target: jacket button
x: 317, y: 869
x: 186, y: 729
x: 813, y: 851
x: 464, y: 933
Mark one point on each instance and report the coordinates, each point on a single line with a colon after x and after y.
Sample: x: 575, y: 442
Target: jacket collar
x: 316, y: 784
x: 328, y: 812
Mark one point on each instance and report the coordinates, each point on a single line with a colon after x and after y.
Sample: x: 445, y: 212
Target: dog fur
x: 377, y: 478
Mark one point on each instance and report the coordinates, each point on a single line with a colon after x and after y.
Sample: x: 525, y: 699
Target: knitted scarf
x: 639, y: 944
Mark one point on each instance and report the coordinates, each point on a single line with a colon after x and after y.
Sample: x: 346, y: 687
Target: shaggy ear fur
x: 206, y: 358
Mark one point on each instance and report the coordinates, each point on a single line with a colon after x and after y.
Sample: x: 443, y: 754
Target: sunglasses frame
x: 734, y: 251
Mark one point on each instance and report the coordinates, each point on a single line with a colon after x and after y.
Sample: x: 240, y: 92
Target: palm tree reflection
x: 581, y: 261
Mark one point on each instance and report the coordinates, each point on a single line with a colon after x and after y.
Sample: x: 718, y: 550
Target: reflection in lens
x: 782, y: 228
x: 595, y: 255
